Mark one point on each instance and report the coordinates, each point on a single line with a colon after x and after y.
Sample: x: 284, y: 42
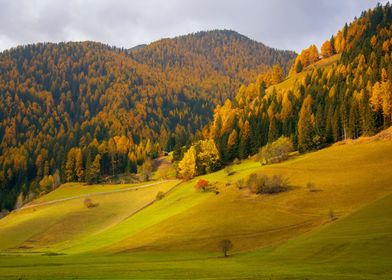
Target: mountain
x: 223, y: 53
x: 138, y: 47
x: 346, y: 92
x: 305, y: 192
x: 123, y: 105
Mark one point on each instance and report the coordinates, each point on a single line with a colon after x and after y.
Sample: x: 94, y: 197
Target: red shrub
x: 202, y: 185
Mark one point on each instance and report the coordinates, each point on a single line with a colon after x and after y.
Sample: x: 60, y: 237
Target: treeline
x: 118, y: 155
x: 57, y: 99
x: 350, y: 98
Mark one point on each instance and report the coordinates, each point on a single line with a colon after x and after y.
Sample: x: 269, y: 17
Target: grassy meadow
x: 132, y: 235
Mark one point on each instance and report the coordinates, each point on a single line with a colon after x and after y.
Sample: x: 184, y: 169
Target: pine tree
x: 70, y: 174
x: 79, y: 165
x: 232, y: 145
x: 354, y: 120
x: 272, y: 130
x: 244, y: 140
x: 298, y: 66
x: 95, y: 170
x: 306, y: 125
x: 332, y: 43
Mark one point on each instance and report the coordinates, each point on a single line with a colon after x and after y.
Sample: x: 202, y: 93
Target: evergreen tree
x: 306, y: 125
x: 298, y: 66
x: 95, y: 170
x: 244, y: 140
x: 70, y: 174
x: 232, y: 144
x: 79, y: 172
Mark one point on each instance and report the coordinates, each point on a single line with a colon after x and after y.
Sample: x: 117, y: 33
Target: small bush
x: 252, y: 182
x: 276, y: 152
x: 160, y: 195
x: 202, y: 185
x: 89, y: 203
x: 229, y: 170
x: 240, y: 183
x: 332, y: 215
x: 311, y: 187
x: 262, y: 184
x: 276, y: 184
x: 145, y: 171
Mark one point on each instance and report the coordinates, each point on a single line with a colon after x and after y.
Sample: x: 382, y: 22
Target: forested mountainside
x: 317, y: 105
x: 207, y: 56
x: 75, y: 111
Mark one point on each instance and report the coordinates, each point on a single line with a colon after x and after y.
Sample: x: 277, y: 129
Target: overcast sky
x: 282, y: 24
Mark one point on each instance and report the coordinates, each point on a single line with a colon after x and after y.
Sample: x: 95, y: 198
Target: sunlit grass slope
x: 357, y: 246
x: 50, y: 226
x: 347, y: 177
x: 179, y: 200
x: 365, y: 234
x: 80, y: 189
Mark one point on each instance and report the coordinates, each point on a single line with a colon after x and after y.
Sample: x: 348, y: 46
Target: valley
x: 208, y: 155
x: 182, y: 230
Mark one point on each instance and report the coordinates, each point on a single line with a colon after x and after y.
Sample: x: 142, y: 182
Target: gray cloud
x: 283, y: 24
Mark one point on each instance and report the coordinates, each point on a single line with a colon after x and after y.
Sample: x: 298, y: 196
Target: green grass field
x: 44, y: 226
x: 130, y: 235
x: 354, y: 247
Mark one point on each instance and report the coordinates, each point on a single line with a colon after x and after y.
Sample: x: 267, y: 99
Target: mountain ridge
x: 59, y: 96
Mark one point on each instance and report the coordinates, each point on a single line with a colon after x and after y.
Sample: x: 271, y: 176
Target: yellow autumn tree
x: 326, y: 49
x: 381, y: 100
x: 306, y: 125
x: 307, y: 57
x: 208, y: 158
x: 187, y: 166
x: 276, y: 75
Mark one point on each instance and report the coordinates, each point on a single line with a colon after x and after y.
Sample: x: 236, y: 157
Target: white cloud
x: 283, y: 24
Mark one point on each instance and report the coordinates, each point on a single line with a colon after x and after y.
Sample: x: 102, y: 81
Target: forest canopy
x: 85, y: 109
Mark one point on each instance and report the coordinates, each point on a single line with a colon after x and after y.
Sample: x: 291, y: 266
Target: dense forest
x: 78, y: 111
x: 81, y: 111
x: 351, y: 98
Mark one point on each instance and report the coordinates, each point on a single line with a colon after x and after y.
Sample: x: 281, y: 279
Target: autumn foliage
x: 202, y: 185
x: 347, y: 99
x: 91, y: 110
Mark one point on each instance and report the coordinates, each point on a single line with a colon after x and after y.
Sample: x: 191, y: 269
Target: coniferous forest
x: 66, y: 106
x: 351, y: 98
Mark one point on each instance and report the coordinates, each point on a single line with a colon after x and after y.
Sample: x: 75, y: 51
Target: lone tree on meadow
x: 225, y: 245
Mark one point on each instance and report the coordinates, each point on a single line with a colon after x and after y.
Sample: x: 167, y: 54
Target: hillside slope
x: 55, y: 220
x: 54, y: 97
x: 346, y: 94
x: 176, y: 237
x: 346, y: 177
x: 219, y: 51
